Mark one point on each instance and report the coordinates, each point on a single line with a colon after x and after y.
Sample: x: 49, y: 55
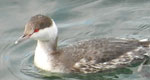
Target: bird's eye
x: 36, y: 30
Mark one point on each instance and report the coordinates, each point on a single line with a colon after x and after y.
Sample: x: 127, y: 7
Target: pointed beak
x: 22, y: 38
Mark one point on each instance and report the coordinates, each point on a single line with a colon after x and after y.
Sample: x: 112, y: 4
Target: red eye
x: 36, y: 30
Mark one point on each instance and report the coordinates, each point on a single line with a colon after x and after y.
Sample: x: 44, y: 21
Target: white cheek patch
x: 41, y: 35
x: 47, y: 33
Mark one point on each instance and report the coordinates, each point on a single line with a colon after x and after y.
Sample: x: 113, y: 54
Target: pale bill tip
x: 16, y: 42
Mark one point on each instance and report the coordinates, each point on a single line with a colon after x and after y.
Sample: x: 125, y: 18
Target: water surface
x: 76, y: 20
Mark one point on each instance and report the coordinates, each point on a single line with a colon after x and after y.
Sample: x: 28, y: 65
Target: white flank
x: 143, y: 40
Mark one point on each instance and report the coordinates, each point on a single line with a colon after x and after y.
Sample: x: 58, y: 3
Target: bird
x: 85, y: 56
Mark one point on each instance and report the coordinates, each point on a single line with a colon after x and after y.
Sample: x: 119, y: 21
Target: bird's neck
x: 45, y: 50
x: 47, y: 47
x: 44, y: 54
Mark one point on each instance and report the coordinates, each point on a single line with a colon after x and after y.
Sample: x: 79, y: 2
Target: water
x: 76, y: 20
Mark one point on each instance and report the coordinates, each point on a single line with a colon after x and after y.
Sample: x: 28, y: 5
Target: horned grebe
x: 86, y: 56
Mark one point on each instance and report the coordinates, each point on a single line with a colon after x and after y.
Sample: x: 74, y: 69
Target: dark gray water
x: 76, y: 20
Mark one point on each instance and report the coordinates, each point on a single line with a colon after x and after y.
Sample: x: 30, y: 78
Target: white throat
x: 46, y: 45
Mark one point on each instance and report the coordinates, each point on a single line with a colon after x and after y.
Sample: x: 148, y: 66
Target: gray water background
x: 76, y: 20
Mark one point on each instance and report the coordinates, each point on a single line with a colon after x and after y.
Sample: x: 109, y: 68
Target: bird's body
x: 86, y: 56
x: 94, y: 55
